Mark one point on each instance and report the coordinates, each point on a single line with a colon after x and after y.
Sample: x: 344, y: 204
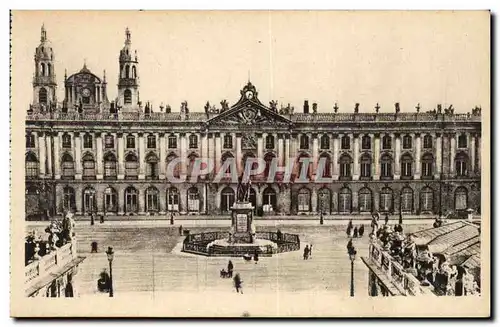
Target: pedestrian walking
x: 349, y: 245
x: 306, y: 252
x: 91, y: 219
x: 256, y: 256
x: 355, y: 233
x: 310, y: 250
x: 386, y: 219
x: 348, y: 231
x: 238, y: 283
x: 230, y: 268
x: 361, y: 230
x: 321, y: 218
x: 171, y: 218
x: 180, y: 230
x: 102, y: 219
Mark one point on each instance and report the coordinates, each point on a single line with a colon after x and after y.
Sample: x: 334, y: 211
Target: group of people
x: 237, y: 281
x: 308, y: 252
x: 354, y: 231
x: 93, y: 218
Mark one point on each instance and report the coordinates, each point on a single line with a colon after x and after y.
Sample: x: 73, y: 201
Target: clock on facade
x: 86, y: 92
x: 249, y: 95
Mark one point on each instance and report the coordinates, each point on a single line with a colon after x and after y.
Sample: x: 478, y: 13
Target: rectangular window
x: 109, y: 141
x: 130, y: 142
x: 193, y: 142
x: 31, y: 169
x: 228, y: 142
x: 427, y: 169
x: 406, y: 169
x: 366, y: 143
x: 366, y: 169
x: 172, y: 142
x: 87, y: 141
x: 346, y: 143
x: 151, y: 142
x: 407, y: 142
x: 30, y: 141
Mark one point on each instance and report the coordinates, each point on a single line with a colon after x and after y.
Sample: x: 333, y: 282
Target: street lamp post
x: 352, y: 256
x: 110, y: 255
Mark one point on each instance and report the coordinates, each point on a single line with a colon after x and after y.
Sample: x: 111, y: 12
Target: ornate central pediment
x: 249, y: 111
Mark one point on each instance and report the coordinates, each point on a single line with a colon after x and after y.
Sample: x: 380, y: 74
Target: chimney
x: 315, y: 107
x: 306, y: 106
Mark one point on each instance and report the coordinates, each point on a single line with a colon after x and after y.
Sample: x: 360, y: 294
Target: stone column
x: 287, y: 150
x: 78, y: 156
x: 281, y: 155
x: 42, y: 154
x: 452, y: 155
x: 439, y: 155
x: 356, y: 157
x: 260, y: 144
x: 218, y: 150
x: 418, y: 164
x: 48, y: 151
x: 142, y: 160
x: 57, y: 164
x: 184, y: 145
x: 314, y: 200
x: 336, y: 141
x: 479, y: 153
x: 472, y: 153
x: 239, y: 155
x: 99, y: 158
x: 205, y: 199
x: 397, y: 156
x: 120, y: 156
x: 141, y: 200
x: 315, y: 154
x: 162, y: 157
x: 376, y: 156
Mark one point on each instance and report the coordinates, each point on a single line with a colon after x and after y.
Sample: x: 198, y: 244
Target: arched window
x: 386, y: 199
x: 226, y: 199
x: 42, y: 96
x: 134, y: 72
x: 407, y: 142
x: 345, y: 167
x: 366, y: 142
x: 386, y: 142
x: 151, y: 140
x: 109, y: 166
x: 87, y: 141
x: 130, y: 142
x: 461, y: 198
x: 42, y: 66
x: 366, y: 166
x: 152, y: 166
x: 427, y: 142
x: 365, y: 200
x: 228, y: 141
x: 89, y: 201
x: 461, y: 163
x: 426, y: 200
x: 49, y: 69
x: 345, y: 200
x: 268, y: 158
x: 406, y: 200
x: 88, y: 167
x: 345, y: 142
x: 193, y: 141
x: 325, y: 165
x: 31, y: 164
x: 269, y: 199
x: 66, y: 141
x: 173, y: 199
x: 69, y: 200
x: 462, y: 141
x: 324, y: 200
x: 269, y: 142
x: 427, y: 164
x: 406, y: 166
x: 110, y: 200
x: 67, y: 167
x: 227, y: 157
x: 325, y: 142
x: 131, y: 200
x: 304, y: 200
x: 386, y: 166
x: 30, y: 141
x: 173, y: 166
x: 127, y: 71
x: 127, y: 96
x: 304, y: 142
x: 131, y: 166
x: 152, y: 199
x: 193, y: 199
x: 303, y: 167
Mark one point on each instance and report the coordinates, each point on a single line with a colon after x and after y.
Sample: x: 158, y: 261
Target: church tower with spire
x: 44, y: 79
x: 128, y: 80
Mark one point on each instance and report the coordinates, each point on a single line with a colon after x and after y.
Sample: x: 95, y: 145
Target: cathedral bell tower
x: 44, y: 79
x: 128, y: 80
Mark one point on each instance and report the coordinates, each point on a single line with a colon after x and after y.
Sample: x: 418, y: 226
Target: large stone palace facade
x: 90, y: 154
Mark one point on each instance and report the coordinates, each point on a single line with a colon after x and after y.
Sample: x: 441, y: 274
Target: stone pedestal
x: 242, y: 227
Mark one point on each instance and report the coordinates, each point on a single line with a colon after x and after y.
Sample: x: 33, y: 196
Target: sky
x: 290, y: 56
